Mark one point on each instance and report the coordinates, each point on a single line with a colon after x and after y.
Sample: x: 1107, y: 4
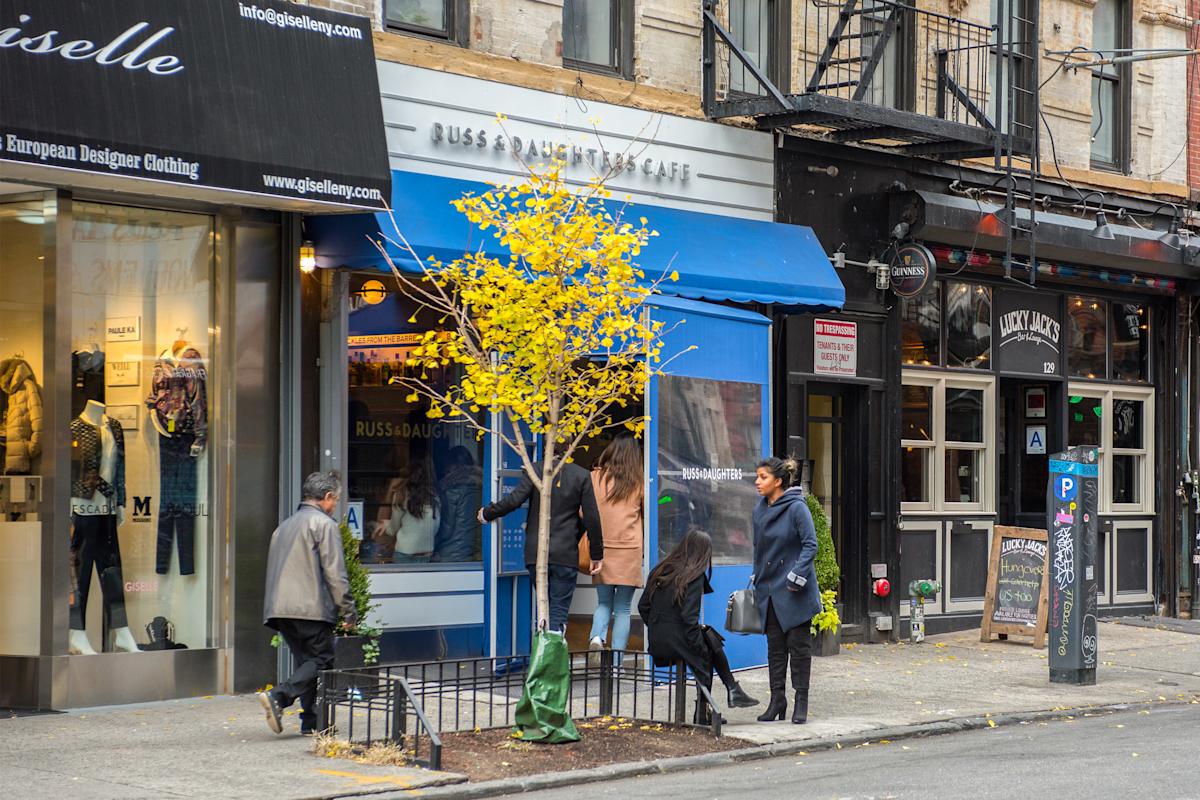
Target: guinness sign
x: 913, y: 269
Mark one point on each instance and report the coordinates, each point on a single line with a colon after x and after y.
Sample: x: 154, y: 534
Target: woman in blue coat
x: 785, y: 583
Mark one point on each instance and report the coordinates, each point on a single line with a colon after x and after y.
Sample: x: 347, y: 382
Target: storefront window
x: 709, y: 444
x: 1084, y: 415
x: 24, y: 438
x: 968, y: 325
x: 420, y: 480
x: 1130, y: 342
x: 1124, y: 444
x: 917, y: 407
x: 946, y: 442
x: 914, y: 474
x: 964, y: 415
x: 917, y: 436
x: 141, y: 541
x: 962, y: 476
x: 1128, y: 448
x: 1087, y: 338
x: 921, y: 329
x: 1127, y: 424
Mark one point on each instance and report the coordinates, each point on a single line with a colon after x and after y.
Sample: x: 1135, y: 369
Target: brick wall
x: 1194, y: 105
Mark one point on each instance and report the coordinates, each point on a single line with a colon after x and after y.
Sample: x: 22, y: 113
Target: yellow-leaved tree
x: 546, y: 341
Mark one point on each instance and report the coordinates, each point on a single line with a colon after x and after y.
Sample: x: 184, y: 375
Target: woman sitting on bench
x: 670, y: 610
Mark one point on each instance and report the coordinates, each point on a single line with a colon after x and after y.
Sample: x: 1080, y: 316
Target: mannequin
x: 97, y: 510
x: 178, y: 405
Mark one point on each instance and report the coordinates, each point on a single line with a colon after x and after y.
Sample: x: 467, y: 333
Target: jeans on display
x: 94, y: 545
x: 177, y: 502
x: 562, y: 588
x: 612, y: 602
x: 311, y: 643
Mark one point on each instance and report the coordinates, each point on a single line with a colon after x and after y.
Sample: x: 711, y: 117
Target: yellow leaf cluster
x: 555, y: 335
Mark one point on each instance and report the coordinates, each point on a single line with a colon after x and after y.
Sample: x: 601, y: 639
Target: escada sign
x: 129, y: 49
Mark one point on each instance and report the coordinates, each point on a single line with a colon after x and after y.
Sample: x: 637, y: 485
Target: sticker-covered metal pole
x: 1071, y: 510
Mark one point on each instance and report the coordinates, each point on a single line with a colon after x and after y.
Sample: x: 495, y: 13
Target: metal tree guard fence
x: 412, y: 705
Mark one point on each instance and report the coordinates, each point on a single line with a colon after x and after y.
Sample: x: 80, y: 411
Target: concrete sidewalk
x: 871, y: 687
x: 220, y: 746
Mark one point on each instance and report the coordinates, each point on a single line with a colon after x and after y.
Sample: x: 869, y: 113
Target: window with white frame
x: 947, y: 442
x: 1119, y: 421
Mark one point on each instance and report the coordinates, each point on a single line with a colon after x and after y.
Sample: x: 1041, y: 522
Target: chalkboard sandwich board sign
x: 1016, y: 599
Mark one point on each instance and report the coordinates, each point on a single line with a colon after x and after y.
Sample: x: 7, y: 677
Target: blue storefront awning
x: 717, y: 257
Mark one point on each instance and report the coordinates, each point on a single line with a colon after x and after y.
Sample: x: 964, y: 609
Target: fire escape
x: 891, y: 74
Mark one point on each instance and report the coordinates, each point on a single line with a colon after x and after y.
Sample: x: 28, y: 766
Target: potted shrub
x: 825, y: 624
x: 357, y: 646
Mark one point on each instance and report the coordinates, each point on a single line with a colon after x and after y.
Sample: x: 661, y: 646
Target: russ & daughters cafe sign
x: 265, y: 98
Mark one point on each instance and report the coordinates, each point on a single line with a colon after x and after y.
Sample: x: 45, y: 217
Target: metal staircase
x: 893, y: 74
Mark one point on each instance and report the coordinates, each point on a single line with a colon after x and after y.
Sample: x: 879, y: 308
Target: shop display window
x: 914, y: 474
x: 917, y: 436
x: 709, y: 445
x: 24, y: 437
x: 141, y: 544
x: 1084, y: 418
x: 1087, y: 338
x: 419, y: 480
x: 921, y: 329
x: 964, y: 414
x: 1130, y: 342
x: 946, y: 468
x: 968, y: 325
x: 1116, y: 419
x: 962, y: 476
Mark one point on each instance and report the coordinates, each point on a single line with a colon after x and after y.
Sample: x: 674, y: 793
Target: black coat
x: 573, y: 512
x: 674, y: 629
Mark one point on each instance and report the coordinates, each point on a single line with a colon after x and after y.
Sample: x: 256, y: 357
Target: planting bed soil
x: 491, y: 754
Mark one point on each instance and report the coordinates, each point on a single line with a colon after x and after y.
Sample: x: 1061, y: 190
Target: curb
x: 533, y: 783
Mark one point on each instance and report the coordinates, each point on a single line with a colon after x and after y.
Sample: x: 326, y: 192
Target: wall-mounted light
x: 308, y: 256
x: 1172, y: 238
x: 1102, y: 231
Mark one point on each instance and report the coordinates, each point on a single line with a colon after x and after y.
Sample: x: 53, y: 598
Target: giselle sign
x: 913, y: 269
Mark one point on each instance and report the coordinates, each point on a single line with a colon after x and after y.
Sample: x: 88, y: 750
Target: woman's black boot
x: 738, y: 698
x: 776, y: 708
x: 800, y: 711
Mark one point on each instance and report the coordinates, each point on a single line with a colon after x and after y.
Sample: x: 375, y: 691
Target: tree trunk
x: 542, y: 576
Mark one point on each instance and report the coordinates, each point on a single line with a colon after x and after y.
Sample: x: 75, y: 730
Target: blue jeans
x: 612, y: 602
x: 562, y: 589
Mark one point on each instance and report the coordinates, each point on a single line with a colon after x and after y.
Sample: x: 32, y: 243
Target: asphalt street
x: 1130, y: 754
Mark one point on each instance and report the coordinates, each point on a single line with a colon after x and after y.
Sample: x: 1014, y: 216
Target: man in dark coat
x: 573, y: 511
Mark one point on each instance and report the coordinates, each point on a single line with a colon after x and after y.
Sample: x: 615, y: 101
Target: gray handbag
x: 741, y: 614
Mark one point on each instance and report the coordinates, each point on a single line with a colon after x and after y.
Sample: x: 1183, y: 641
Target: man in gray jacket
x: 307, y: 591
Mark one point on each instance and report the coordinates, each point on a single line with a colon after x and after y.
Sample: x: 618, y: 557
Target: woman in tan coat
x: 617, y: 482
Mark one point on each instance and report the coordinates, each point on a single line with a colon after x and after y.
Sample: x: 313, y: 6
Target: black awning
x: 259, y: 97
x: 968, y: 223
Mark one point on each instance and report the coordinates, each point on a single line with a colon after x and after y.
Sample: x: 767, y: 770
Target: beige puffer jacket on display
x: 22, y: 416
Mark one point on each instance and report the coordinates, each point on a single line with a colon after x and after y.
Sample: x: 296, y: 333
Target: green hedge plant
x: 828, y: 572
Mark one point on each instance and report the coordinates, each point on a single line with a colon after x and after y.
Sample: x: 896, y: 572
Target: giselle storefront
x: 154, y: 158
